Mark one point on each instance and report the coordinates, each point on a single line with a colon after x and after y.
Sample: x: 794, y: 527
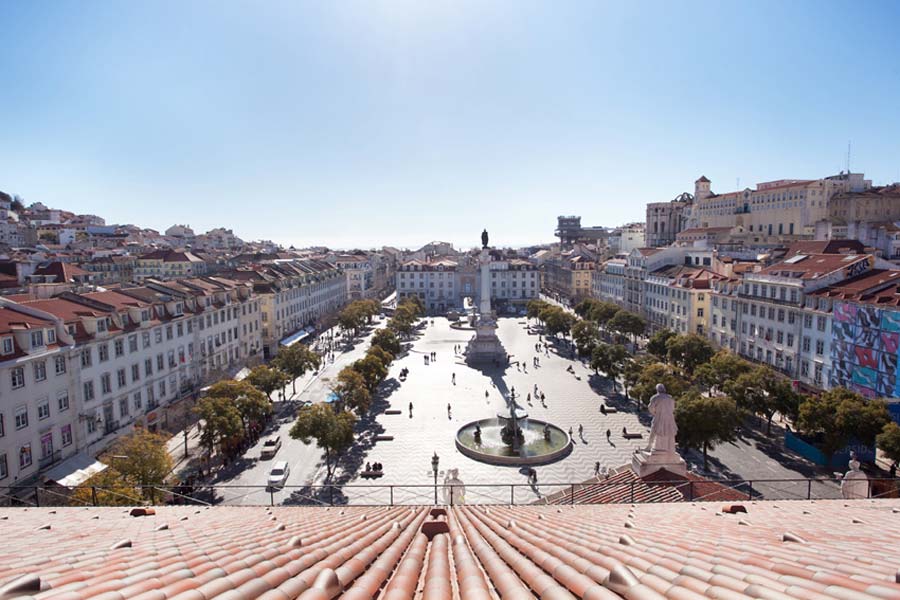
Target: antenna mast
x: 848, y: 157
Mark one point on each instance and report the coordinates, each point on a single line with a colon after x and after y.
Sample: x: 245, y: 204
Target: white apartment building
x: 608, y: 281
x: 435, y: 283
x: 359, y: 271
x: 513, y: 282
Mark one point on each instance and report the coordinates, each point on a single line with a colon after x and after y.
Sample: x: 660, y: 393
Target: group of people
x: 374, y: 467
x: 431, y: 356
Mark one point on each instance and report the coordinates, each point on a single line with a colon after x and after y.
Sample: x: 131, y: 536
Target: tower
x: 701, y: 188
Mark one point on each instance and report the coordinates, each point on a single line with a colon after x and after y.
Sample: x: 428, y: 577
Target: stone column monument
x: 485, y: 346
x: 660, y: 451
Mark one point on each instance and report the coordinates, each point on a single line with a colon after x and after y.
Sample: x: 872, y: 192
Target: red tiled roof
x: 823, y: 550
x: 813, y: 266
x: 64, y: 272
x: 11, y: 319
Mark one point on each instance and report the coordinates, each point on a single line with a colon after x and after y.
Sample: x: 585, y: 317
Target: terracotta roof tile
x: 681, y: 551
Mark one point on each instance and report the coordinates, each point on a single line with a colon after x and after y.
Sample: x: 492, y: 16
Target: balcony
x: 110, y: 427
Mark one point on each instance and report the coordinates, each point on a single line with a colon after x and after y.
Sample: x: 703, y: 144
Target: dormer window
x: 51, y: 336
x: 101, y: 325
x: 70, y: 329
x: 37, y: 339
x: 7, y: 345
x: 145, y: 315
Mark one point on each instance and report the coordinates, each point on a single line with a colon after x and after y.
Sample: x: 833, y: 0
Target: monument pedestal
x: 485, y: 346
x: 644, y: 463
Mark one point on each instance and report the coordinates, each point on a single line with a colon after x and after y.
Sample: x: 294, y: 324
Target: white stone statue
x: 454, y: 490
x: 663, y: 428
x: 855, y: 483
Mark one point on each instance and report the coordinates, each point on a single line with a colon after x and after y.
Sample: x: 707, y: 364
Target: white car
x: 278, y: 475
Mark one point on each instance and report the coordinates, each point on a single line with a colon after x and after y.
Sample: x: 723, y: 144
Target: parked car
x: 278, y: 475
x: 270, y: 447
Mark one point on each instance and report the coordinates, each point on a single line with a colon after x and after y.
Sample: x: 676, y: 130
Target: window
x: 86, y: 357
x: 790, y: 340
x: 132, y: 343
x: 62, y: 400
x: 145, y: 339
x: 119, y: 346
x: 43, y: 409
x: 101, y: 325
x: 60, y: 364
x: 2, y: 426
x: 135, y: 372
x: 806, y: 343
x: 148, y: 367
x: 699, y: 312
x: 820, y: 323
x: 4, y: 467
x: 103, y: 352
x: 88, y: 391
x: 37, y: 338
x: 121, y: 378
x: 168, y: 332
x: 820, y: 347
x: 792, y: 317
x: 160, y: 362
x: 162, y: 388
x: 137, y: 400
x: 91, y: 424
x: 65, y: 433
x: 158, y: 334
x: 7, y: 346
x: 40, y: 370
x: 779, y: 337
x: 807, y: 321
x: 123, y: 407
x: 18, y: 377
x: 105, y: 383
x: 21, y: 417
x: 25, y: 456
x: 818, y: 373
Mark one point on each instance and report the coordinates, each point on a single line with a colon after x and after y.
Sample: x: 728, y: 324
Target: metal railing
x: 591, y: 492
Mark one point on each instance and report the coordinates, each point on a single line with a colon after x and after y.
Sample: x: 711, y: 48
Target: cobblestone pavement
x: 407, y: 458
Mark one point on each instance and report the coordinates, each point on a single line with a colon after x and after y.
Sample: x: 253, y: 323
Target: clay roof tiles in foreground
x: 821, y: 550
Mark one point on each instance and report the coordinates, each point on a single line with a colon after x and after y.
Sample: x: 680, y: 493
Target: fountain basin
x: 535, y: 450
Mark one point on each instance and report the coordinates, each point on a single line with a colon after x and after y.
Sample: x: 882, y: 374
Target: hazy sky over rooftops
x: 363, y: 123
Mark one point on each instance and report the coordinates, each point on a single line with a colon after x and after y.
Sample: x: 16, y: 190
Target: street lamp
x: 434, y: 469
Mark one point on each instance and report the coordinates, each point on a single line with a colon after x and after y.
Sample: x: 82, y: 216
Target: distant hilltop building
x: 570, y: 232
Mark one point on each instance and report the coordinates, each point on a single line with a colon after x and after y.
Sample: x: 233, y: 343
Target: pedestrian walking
x: 580, y: 430
x: 571, y: 432
x: 453, y: 378
x: 448, y: 410
x: 596, y: 468
x: 608, y: 434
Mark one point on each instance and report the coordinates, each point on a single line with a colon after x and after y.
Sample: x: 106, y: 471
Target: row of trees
x: 331, y: 425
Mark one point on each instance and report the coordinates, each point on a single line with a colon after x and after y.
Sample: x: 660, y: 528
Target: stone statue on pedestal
x: 660, y: 451
x: 454, y: 491
x: 663, y: 429
x: 484, y: 239
x: 855, y: 483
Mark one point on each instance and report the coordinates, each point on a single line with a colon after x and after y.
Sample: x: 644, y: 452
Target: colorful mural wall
x: 864, y: 347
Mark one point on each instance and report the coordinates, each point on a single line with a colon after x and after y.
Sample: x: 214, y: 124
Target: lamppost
x: 434, y: 469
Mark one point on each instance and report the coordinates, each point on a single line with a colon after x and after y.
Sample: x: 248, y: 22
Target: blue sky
x: 369, y: 123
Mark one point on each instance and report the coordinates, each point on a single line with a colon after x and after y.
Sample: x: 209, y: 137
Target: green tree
x: 556, y: 320
x: 657, y: 345
x: 222, y: 422
x: 353, y: 316
x: 333, y: 431
x: 372, y: 370
x: 835, y: 416
x: 583, y: 308
x: 602, y: 312
x: 251, y: 403
x: 267, y: 379
x: 385, y: 357
x: 722, y: 368
x: 653, y: 373
x: 585, y: 336
x: 296, y: 361
x: 889, y: 441
x: 387, y: 339
x: 609, y: 358
x: 627, y: 324
x: 415, y: 304
x: 764, y: 393
x: 631, y: 373
x: 351, y: 390
x: 147, y: 465
x: 689, y: 352
x: 534, y: 308
x: 704, y: 421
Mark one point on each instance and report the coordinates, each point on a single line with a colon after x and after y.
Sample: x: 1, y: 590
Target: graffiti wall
x: 864, y: 347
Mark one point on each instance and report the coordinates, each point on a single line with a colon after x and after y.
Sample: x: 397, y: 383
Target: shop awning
x: 75, y: 470
x: 293, y: 339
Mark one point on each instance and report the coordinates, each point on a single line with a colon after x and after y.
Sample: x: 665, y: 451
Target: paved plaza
x: 406, y: 459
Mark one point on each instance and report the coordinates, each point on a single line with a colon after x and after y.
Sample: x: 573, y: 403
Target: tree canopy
x: 267, y: 379
x: 836, y: 416
x: 889, y: 441
x: 611, y: 359
x: 627, y: 323
x: 585, y: 336
x: 296, y: 361
x: 387, y: 339
x: 704, y: 421
x: 332, y: 430
x: 652, y: 374
x: 223, y: 425
x: 762, y: 392
x: 723, y: 367
x: 658, y: 343
x: 689, y: 352
x: 556, y: 320
x: 372, y: 370
x: 351, y: 390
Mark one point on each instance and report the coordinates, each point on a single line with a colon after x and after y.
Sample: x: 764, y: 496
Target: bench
x: 371, y: 474
x: 393, y: 411
x: 632, y: 436
x: 607, y: 410
x: 385, y: 438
